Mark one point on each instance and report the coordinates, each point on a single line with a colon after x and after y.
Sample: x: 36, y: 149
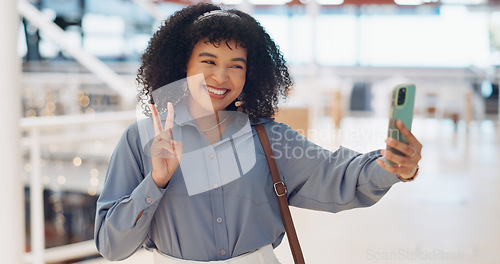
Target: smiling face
x: 216, y: 74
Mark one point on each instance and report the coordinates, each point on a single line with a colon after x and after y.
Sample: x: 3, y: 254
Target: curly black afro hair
x: 168, y: 52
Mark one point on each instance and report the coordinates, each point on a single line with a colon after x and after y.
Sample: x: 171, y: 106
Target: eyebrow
x: 206, y: 54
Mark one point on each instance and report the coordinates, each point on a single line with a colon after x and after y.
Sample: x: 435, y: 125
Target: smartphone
x: 402, y: 102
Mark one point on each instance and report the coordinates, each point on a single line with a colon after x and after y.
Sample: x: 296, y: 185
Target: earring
x: 238, y: 105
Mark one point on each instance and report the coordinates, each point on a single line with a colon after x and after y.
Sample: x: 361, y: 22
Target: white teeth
x: 216, y: 91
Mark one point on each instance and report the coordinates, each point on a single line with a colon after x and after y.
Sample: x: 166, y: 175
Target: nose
x: 220, y: 75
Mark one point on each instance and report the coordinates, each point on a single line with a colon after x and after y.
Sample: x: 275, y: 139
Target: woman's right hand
x: 166, y: 153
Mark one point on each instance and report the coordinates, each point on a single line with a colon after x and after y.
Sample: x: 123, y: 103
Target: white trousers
x: 263, y: 255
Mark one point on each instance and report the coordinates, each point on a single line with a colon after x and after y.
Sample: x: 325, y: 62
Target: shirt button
x: 211, y: 156
x: 223, y: 252
x: 219, y: 220
x: 149, y: 200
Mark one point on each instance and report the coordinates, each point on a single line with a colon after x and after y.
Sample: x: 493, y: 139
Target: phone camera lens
x: 401, y: 96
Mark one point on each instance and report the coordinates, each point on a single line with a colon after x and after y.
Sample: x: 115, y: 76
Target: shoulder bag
x: 280, y: 190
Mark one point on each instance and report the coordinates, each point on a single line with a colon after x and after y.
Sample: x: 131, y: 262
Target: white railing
x: 42, y: 132
x: 64, y: 253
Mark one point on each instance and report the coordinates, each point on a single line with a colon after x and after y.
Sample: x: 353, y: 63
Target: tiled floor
x: 451, y: 214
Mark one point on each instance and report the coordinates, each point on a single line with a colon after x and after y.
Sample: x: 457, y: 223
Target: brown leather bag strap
x: 280, y: 190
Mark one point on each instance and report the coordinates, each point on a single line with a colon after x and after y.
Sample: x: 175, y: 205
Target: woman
x: 192, y: 183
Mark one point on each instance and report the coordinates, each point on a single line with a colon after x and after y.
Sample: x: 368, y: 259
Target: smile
x: 216, y: 91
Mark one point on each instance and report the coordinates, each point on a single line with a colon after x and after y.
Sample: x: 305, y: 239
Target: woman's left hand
x: 406, y: 166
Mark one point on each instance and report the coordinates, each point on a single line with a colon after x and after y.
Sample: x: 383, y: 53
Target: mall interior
x: 69, y: 91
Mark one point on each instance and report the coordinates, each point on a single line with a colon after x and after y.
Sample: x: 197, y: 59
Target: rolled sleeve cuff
x: 379, y: 176
x: 147, y: 194
x: 383, y: 178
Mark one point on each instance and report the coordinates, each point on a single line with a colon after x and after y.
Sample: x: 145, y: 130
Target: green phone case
x: 400, y: 111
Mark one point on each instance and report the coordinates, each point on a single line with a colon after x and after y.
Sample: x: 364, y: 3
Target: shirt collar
x: 182, y: 116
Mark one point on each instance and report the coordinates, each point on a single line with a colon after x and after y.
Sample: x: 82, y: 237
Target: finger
x: 156, y: 119
x: 163, y: 150
x: 400, y: 170
x: 162, y: 139
x: 402, y: 161
x: 388, y: 168
x: 175, y: 159
x: 169, y: 123
x: 410, y: 138
x: 178, y: 149
x: 160, y: 144
x: 166, y: 145
x: 165, y: 135
x: 406, y: 149
x: 382, y: 164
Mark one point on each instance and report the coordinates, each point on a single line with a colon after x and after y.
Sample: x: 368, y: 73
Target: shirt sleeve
x: 127, y: 192
x: 319, y: 179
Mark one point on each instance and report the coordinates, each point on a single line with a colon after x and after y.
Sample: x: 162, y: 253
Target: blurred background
x: 70, y: 66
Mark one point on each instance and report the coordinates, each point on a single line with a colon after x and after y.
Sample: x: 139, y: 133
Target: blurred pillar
x: 12, y: 240
x: 313, y: 11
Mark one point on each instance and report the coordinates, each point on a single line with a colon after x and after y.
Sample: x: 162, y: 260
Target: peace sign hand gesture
x: 166, y: 153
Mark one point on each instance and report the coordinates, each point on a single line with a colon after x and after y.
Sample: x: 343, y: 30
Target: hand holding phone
x: 403, y: 149
x: 402, y: 104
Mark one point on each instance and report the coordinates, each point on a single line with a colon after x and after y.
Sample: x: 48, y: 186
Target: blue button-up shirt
x: 220, y: 202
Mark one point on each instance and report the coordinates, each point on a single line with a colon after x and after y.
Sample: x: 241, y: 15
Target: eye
x: 237, y: 67
x: 208, y: 62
